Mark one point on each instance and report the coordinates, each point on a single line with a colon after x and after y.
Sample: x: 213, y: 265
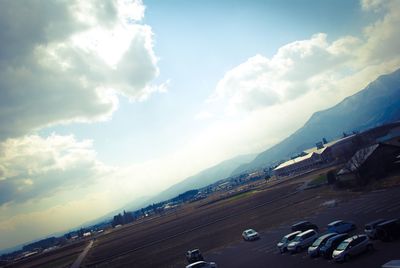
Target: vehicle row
x: 336, y: 243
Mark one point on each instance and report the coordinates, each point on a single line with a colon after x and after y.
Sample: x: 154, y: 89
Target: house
x: 374, y: 161
x: 338, y: 151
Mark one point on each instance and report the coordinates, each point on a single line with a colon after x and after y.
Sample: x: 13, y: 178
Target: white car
x: 302, y: 240
x: 250, y: 234
x: 282, y: 245
x: 202, y: 264
x: 352, y: 246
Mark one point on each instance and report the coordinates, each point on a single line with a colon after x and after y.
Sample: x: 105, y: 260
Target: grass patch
x: 319, y: 180
x: 240, y: 196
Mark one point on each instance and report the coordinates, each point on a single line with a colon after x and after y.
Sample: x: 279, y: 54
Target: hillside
x: 204, y: 178
x: 377, y: 104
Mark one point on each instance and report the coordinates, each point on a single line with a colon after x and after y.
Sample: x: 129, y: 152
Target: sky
x: 106, y: 102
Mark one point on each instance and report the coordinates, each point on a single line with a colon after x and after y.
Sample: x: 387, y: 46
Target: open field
x: 62, y: 257
x: 162, y: 242
x: 215, y: 225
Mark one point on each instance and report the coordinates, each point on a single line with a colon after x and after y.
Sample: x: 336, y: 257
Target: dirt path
x: 82, y: 256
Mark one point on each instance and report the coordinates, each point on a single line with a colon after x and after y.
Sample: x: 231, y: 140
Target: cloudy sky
x: 104, y: 102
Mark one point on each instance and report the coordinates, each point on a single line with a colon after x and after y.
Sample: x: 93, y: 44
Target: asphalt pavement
x: 360, y: 210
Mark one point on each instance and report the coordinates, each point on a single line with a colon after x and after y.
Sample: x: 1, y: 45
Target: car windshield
x: 284, y: 240
x: 318, y: 241
x: 343, y: 245
x: 250, y: 232
x: 297, y: 238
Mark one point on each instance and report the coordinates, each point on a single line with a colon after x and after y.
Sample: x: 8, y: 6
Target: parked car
x: 282, y: 245
x: 352, y: 246
x: 313, y: 250
x: 304, y: 226
x: 392, y: 264
x: 330, y: 245
x: 302, y: 240
x: 250, y: 234
x: 202, y: 264
x: 341, y: 227
x: 388, y: 230
x: 370, y: 228
x: 194, y: 255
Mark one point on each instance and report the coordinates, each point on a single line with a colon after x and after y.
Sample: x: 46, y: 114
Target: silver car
x: 202, y: 264
x: 352, y: 246
x: 282, y: 245
x: 250, y: 234
x: 302, y: 240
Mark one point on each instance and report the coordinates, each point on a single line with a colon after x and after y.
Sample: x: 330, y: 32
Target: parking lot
x: 361, y: 209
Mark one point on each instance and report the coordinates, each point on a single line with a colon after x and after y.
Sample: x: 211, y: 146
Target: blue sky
x: 103, y: 104
x: 196, y: 44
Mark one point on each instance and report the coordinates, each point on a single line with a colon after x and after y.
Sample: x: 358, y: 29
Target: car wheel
x: 298, y: 249
x: 346, y: 257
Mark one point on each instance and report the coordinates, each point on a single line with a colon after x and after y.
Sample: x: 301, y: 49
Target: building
x: 374, y: 161
x: 311, y: 160
x: 338, y: 151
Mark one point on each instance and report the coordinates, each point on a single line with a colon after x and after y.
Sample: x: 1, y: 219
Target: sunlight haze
x: 108, y: 102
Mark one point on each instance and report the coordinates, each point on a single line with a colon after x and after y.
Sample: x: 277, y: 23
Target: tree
x: 331, y: 177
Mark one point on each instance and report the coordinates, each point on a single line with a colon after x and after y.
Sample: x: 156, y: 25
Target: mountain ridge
x: 378, y: 103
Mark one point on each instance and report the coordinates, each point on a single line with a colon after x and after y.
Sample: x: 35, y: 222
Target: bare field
x: 62, y: 257
x: 162, y: 242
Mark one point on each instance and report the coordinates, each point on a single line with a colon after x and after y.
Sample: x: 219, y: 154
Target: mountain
x: 377, y: 104
x: 206, y: 177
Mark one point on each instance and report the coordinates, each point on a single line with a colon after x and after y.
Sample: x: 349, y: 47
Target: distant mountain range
x: 377, y: 104
x: 206, y: 177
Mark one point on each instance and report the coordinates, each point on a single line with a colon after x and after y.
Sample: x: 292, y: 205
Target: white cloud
x: 65, y: 61
x: 314, y: 65
x: 61, y: 216
x: 34, y: 168
x: 373, y: 5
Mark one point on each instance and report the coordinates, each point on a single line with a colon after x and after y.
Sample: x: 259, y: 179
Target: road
x: 362, y: 209
x: 82, y: 256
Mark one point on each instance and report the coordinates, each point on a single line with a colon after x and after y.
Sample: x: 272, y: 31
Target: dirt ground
x: 209, y: 224
x: 62, y: 257
x: 162, y: 242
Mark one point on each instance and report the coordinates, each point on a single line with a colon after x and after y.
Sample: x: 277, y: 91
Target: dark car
x: 341, y: 226
x: 370, y: 228
x: 194, y: 255
x: 330, y: 245
x: 313, y: 250
x: 388, y: 230
x: 304, y: 226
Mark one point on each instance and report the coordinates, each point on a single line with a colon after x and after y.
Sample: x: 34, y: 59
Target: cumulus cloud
x: 63, y: 61
x: 34, y: 168
x: 315, y: 64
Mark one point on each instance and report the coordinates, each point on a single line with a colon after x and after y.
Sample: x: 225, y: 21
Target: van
x: 388, y: 230
x: 370, y: 228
